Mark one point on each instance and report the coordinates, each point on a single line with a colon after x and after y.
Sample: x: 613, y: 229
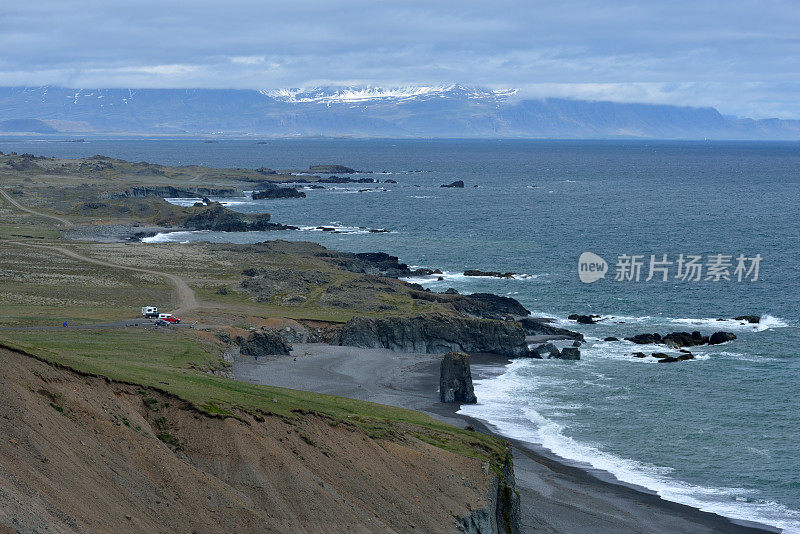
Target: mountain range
x: 448, y: 111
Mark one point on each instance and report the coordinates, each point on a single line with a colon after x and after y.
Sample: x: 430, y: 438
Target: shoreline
x: 557, y: 495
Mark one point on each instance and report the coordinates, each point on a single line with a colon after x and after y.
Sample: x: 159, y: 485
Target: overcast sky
x: 742, y: 57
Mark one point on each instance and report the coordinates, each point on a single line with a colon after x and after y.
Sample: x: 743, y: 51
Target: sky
x: 742, y: 57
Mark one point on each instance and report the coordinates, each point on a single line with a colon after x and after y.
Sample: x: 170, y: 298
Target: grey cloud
x: 741, y: 56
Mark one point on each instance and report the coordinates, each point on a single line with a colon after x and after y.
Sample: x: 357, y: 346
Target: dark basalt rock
x: 639, y: 355
x: 660, y: 355
x: 481, y: 305
x: 584, y: 319
x: 539, y: 327
x: 495, y: 274
x: 168, y: 191
x: 435, y: 333
x: 390, y: 181
x: 500, y: 305
x: 752, y: 319
x: 459, y: 184
x: 278, y: 192
x: 375, y: 263
x: 668, y: 359
x: 684, y: 339
x: 546, y: 349
x: 218, y: 218
x: 535, y: 355
x: 611, y: 338
x: 266, y: 343
x: 569, y: 353
x: 721, y: 337
x: 451, y: 291
x: 455, y: 379
x: 645, y: 339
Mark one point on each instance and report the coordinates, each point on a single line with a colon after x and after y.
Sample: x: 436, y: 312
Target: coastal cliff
x: 436, y: 333
x: 503, y: 514
x: 168, y: 191
x: 71, y: 437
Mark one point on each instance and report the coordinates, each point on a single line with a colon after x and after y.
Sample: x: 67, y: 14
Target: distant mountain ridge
x: 445, y: 111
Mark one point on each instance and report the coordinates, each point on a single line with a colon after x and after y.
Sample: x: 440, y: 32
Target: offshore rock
x: 721, y: 337
x: 278, y: 192
x: 455, y: 379
x: 569, y: 353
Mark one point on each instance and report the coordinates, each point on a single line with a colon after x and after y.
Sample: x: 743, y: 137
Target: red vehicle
x: 168, y: 318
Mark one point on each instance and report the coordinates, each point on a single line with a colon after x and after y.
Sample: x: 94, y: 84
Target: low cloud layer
x: 742, y: 57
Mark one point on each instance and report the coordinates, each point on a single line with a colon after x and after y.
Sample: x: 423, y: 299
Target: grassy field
x: 40, y: 286
x: 179, y: 363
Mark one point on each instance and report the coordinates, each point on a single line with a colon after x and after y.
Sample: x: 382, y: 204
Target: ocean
x: 719, y: 432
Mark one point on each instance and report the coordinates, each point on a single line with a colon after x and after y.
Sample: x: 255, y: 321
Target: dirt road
x: 186, y: 300
x: 20, y: 207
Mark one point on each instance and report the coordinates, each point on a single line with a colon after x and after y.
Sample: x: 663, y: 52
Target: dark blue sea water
x: 720, y: 432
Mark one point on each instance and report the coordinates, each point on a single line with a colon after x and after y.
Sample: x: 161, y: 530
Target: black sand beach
x: 556, y: 497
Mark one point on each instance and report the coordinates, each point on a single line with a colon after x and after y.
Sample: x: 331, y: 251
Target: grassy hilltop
x: 48, y: 278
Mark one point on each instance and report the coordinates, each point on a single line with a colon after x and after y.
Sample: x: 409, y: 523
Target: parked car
x: 160, y: 322
x: 168, y: 317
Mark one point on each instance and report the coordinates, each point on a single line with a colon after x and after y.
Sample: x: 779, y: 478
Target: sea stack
x: 455, y: 380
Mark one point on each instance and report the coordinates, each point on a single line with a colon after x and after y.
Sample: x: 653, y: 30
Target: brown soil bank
x: 83, y: 454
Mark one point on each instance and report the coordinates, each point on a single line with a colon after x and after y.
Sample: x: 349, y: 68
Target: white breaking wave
x: 336, y: 228
x: 173, y: 237
x: 505, y: 404
x: 233, y: 201
x: 454, y: 276
x: 702, y: 323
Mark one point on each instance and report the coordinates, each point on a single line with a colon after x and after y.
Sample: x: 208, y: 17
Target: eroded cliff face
x: 83, y: 454
x: 168, y: 191
x: 436, y: 333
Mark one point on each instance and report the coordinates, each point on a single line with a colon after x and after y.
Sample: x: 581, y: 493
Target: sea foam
x: 507, y: 402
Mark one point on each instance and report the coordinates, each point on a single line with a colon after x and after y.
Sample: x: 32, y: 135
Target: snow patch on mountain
x: 347, y: 95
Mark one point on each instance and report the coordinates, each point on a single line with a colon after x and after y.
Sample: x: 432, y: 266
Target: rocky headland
x: 436, y: 334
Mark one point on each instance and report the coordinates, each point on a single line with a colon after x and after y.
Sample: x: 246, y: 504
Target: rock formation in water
x: 277, y: 192
x: 455, y: 379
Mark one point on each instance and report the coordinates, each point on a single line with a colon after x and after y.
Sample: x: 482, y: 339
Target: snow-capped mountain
x: 364, y: 111
x: 350, y: 95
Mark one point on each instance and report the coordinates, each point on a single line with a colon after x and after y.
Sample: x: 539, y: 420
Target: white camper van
x: 149, y: 311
